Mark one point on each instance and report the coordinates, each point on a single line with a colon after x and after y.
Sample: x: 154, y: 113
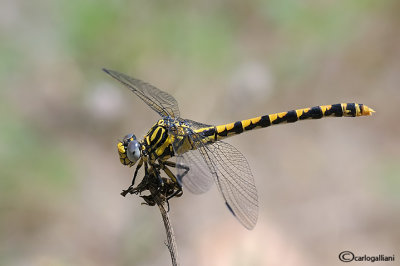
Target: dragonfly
x: 194, y: 155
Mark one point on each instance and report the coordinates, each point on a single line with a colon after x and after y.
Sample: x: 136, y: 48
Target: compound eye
x: 133, y: 151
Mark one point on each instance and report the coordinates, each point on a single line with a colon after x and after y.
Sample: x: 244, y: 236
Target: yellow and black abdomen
x: 317, y: 112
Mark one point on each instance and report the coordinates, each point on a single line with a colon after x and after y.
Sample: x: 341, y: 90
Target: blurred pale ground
x: 324, y: 186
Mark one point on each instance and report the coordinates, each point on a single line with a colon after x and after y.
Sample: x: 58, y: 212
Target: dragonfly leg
x: 136, y: 171
x: 180, y: 166
x: 156, y: 169
x: 130, y: 188
x: 178, y: 192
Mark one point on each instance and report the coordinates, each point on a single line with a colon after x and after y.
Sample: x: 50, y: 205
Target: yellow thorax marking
x: 153, y: 136
x: 160, y: 150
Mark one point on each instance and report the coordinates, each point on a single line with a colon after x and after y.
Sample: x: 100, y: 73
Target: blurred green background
x: 324, y: 186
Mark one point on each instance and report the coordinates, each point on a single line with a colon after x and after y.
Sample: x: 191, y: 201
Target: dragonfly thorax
x: 157, y: 143
x: 129, y: 150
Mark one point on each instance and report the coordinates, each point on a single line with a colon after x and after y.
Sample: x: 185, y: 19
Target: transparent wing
x: 228, y: 167
x: 233, y: 176
x: 194, y: 124
x: 160, y: 101
x: 198, y: 179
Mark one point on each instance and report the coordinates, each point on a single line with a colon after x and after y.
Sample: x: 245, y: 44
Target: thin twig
x: 171, y: 243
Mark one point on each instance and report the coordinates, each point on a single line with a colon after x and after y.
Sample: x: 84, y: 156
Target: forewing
x: 161, y: 102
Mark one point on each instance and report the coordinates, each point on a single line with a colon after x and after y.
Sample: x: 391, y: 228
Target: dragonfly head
x: 129, y: 150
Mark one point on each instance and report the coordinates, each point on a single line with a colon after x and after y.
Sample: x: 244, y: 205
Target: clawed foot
x: 164, y: 190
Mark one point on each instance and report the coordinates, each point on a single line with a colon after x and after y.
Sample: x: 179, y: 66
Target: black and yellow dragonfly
x: 202, y: 158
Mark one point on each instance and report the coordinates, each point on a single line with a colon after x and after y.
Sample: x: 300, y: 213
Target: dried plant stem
x: 171, y: 243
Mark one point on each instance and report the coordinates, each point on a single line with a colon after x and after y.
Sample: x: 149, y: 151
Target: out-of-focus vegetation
x: 325, y: 186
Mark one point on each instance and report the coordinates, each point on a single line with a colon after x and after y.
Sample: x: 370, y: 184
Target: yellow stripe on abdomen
x: 335, y: 110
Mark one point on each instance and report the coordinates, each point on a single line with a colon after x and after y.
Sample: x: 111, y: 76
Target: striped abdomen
x: 335, y: 110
